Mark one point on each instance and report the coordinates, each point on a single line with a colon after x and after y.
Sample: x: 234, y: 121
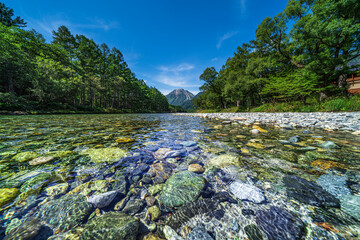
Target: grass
x: 338, y: 104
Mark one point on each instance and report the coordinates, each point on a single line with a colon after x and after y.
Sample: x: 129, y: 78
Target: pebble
x: 244, y: 191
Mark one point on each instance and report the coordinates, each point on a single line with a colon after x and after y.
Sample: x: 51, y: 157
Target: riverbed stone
x: 196, y: 168
x: 182, y: 188
x: 244, y: 191
x: 170, y: 233
x: 31, y: 228
x: 351, y: 205
x: 334, y: 184
x: 328, y: 145
x: 160, y: 172
x: 57, y: 189
x: 309, y: 192
x: 154, y: 212
x: 279, y: 224
x: 41, y: 160
x: 224, y: 160
x: 154, y: 189
x: 111, y: 225
x: 66, y: 212
x: 102, y: 200
x: 99, y: 155
x: 199, y: 233
x: 25, y: 156
x: 253, y: 232
x: 7, y: 195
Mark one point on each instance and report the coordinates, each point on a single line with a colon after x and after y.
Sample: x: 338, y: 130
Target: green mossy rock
x: 182, y: 188
x: 25, y: 156
x: 111, y: 225
x: 98, y: 186
x: 253, y: 232
x: 100, y: 155
x: 154, y: 189
x: 317, y: 155
x: 224, y: 160
x: 57, y: 189
x: 7, y: 195
x: 34, y: 186
x: 66, y: 212
x: 62, y: 154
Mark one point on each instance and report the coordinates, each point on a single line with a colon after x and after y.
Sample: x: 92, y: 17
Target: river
x: 164, y: 176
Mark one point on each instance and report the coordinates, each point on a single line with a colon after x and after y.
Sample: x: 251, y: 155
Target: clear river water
x: 164, y: 176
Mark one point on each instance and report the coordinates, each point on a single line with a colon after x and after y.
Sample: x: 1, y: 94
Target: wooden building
x: 353, y: 82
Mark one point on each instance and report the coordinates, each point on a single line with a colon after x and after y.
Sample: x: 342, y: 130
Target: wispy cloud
x: 177, y: 75
x: 225, y: 37
x: 50, y: 23
x: 243, y: 6
x: 214, y: 59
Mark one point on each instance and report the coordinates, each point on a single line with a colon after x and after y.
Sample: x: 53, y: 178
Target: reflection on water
x: 64, y: 176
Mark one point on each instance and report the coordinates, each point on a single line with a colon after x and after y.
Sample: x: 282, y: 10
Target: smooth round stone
x: 196, y: 168
x: 170, y: 234
x: 182, y: 188
x: 57, y: 189
x: 30, y: 229
x: 40, y: 160
x: 188, y: 143
x: 102, y: 200
x: 99, y: 155
x: 111, y: 225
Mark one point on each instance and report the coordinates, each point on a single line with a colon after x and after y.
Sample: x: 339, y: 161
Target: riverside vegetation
x: 299, y: 57
x: 161, y: 176
x: 70, y: 74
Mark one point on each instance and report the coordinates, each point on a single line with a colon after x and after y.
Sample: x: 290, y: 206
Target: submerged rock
x: 110, y: 154
x: 253, y: 232
x: 196, y: 168
x: 25, y: 156
x: 7, y: 195
x: 154, y: 212
x: 334, y: 184
x: 30, y: 229
x: 182, y: 188
x: 351, y: 205
x: 309, y: 192
x: 199, y: 233
x: 102, y: 200
x: 244, y: 191
x: 170, y: 233
x: 184, y: 214
x: 40, y: 160
x: 111, y: 225
x: 65, y: 213
x: 224, y: 160
x: 328, y: 145
x: 278, y: 224
x: 57, y: 189
x: 160, y: 172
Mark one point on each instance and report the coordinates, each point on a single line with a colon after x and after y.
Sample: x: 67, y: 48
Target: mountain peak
x: 179, y: 96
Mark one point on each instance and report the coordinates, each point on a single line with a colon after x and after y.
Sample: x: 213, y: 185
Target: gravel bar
x: 344, y: 121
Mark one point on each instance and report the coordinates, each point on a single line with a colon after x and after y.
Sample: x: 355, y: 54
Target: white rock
x: 102, y: 200
x: 244, y: 191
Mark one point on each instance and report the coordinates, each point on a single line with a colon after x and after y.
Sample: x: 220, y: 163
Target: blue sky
x: 168, y: 43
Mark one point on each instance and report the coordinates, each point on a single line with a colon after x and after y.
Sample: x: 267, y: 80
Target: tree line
x: 72, y: 71
x: 303, y: 52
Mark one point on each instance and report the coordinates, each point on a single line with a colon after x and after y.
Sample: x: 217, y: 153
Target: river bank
x: 346, y: 121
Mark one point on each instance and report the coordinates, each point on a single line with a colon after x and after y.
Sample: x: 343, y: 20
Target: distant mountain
x: 181, y: 97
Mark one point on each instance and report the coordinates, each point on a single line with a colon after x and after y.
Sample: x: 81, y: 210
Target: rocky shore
x: 349, y: 121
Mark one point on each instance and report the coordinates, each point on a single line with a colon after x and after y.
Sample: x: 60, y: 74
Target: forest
x: 72, y: 73
x: 300, y: 56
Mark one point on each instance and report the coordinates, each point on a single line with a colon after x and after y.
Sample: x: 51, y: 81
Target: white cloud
x: 225, y: 37
x: 179, y: 76
x: 214, y: 59
x: 243, y: 6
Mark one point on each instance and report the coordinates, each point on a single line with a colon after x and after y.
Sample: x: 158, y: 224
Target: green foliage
x: 72, y: 73
x: 302, y: 53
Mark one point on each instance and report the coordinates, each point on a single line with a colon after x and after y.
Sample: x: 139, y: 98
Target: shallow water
x: 83, y: 149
